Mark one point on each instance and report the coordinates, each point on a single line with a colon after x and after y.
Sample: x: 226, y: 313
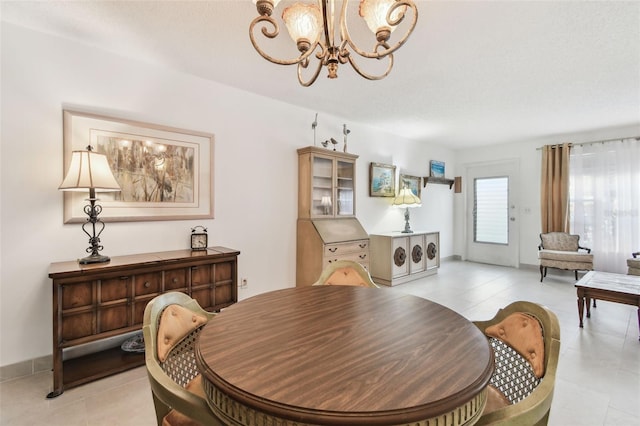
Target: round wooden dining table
x: 341, y: 355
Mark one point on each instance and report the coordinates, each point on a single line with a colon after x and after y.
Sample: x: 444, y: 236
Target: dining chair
x: 525, y: 338
x: 346, y: 272
x: 171, y: 324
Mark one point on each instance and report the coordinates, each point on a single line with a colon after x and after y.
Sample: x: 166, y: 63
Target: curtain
x: 605, y: 201
x: 554, y: 188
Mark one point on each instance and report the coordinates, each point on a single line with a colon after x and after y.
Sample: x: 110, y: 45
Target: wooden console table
x: 94, y: 302
x: 342, y: 355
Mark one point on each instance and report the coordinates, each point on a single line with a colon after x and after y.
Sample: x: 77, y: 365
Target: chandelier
x: 312, y: 28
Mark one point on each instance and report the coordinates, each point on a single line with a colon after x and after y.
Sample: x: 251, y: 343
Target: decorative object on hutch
x: 345, y: 132
x: 327, y: 229
x: 164, y: 173
x: 90, y: 171
x: 397, y: 258
x: 404, y: 200
x: 312, y: 28
x: 382, y: 180
x: 94, y: 305
x: 313, y: 127
x: 199, y: 240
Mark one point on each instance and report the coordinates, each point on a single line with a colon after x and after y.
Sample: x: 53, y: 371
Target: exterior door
x: 492, y: 234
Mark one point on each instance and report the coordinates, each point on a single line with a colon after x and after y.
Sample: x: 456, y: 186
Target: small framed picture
x: 382, y: 180
x: 411, y: 182
x: 436, y: 169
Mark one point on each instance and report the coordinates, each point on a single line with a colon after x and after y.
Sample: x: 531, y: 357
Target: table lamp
x: 406, y: 199
x: 90, y: 170
x: 325, y: 202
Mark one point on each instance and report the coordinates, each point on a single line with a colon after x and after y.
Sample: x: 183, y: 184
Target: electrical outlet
x: 243, y: 283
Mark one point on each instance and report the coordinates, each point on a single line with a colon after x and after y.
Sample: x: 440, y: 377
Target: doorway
x: 492, y: 233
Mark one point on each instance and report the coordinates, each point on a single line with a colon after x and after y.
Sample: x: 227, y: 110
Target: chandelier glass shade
x: 312, y: 26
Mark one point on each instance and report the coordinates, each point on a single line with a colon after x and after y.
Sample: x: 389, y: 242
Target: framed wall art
x: 436, y: 169
x: 412, y: 182
x: 164, y: 173
x: 382, y: 180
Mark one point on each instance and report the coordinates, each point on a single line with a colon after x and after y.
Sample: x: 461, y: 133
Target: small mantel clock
x: 199, y: 239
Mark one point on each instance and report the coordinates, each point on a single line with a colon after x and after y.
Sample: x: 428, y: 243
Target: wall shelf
x: 443, y: 181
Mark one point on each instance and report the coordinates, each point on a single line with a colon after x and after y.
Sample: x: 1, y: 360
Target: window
x: 491, y: 210
x: 604, y: 201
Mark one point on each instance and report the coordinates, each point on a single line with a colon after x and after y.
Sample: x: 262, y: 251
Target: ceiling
x: 472, y: 73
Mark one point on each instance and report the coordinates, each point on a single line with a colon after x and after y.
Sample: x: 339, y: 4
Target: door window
x: 491, y: 210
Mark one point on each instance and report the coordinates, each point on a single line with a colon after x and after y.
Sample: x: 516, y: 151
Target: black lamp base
x: 94, y: 258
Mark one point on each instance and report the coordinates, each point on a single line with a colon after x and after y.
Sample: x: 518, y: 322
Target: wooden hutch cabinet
x: 100, y: 301
x: 327, y: 228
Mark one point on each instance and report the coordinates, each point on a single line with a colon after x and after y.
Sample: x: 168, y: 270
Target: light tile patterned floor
x: 598, y: 380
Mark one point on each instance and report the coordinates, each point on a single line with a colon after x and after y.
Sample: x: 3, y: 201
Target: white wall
x: 255, y: 153
x: 529, y: 157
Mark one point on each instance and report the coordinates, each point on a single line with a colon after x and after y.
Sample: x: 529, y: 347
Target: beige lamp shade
x: 406, y: 198
x: 89, y: 170
x: 303, y: 21
x: 375, y: 12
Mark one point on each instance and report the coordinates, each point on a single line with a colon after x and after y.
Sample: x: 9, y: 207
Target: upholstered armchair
x: 171, y: 324
x: 562, y: 250
x: 525, y: 338
x: 634, y: 264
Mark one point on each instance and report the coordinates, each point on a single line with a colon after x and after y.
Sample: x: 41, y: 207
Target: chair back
x: 346, y: 272
x: 533, y: 403
x: 559, y: 241
x: 171, y: 324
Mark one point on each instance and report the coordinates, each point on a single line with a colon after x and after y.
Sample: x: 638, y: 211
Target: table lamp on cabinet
x: 89, y: 170
x: 405, y: 199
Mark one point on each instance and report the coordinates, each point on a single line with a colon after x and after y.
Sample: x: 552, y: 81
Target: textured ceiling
x: 472, y: 73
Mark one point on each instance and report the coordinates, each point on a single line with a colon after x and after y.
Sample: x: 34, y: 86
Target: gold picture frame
x: 382, y: 180
x: 413, y: 182
x: 165, y: 173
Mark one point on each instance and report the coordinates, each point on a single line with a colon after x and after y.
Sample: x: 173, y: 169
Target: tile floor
x: 598, y: 380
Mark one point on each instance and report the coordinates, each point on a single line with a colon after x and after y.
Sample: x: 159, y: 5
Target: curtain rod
x: 592, y: 142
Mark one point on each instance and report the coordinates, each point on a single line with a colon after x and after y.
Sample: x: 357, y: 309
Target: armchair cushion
x: 346, y: 276
x: 175, y: 323
x: 523, y: 333
x: 175, y: 417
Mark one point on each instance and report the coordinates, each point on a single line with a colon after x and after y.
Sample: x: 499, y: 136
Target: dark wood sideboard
x: 100, y: 301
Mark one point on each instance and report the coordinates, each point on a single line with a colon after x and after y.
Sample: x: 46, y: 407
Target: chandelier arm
x: 357, y: 68
x: 315, y: 75
x: 273, y: 34
x: 344, y: 31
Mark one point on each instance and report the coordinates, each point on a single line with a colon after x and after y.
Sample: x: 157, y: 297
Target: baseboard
x: 26, y: 368
x: 452, y: 257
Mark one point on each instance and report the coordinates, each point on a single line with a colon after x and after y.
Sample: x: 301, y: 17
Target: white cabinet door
x: 401, y: 257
